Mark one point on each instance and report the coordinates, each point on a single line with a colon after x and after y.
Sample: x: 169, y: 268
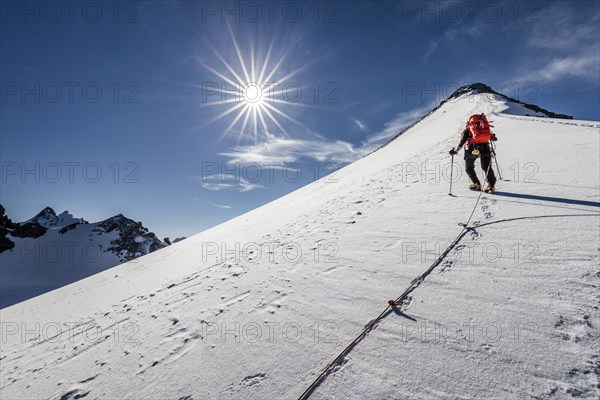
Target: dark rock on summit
x: 5, y: 243
x: 134, y: 240
x: 67, y: 228
x: 116, y: 240
x: 6, y: 222
x: 29, y: 230
x: 6, y: 226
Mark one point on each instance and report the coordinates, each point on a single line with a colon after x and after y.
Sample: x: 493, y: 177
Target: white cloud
x: 217, y: 186
x: 560, y: 40
x: 281, y: 150
x: 462, y: 29
x: 246, y: 186
x: 560, y: 26
x: 565, y: 42
x: 277, y: 151
x: 361, y: 125
x: 432, y: 48
x: 581, y: 66
x: 198, y: 200
x: 220, y: 182
x: 396, y: 125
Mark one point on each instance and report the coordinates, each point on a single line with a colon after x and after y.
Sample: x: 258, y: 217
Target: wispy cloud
x: 220, y: 182
x: 199, y: 200
x: 560, y: 27
x: 462, y: 29
x: 396, y: 125
x: 361, y: 125
x: 565, y: 42
x: 580, y: 66
x: 281, y: 150
x: 277, y: 151
x: 431, y: 49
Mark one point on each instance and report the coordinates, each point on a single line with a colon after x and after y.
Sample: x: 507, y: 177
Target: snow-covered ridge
x: 481, y: 88
x: 48, y: 219
x: 511, y: 313
x: 468, y: 91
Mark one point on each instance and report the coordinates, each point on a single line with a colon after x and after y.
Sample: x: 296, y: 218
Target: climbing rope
x: 394, y: 303
x: 485, y: 180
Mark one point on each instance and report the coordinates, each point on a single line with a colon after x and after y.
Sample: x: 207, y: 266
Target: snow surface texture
x: 512, y: 312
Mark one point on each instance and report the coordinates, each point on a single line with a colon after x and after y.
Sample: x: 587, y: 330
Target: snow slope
x: 511, y: 313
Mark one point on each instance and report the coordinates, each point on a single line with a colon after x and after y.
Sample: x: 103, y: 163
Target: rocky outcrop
x: 6, y: 226
x: 55, y: 250
x: 6, y: 222
x: 134, y: 239
x: 47, y: 218
x: 29, y: 230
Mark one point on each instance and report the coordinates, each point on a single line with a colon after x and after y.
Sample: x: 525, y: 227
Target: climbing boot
x: 490, y: 189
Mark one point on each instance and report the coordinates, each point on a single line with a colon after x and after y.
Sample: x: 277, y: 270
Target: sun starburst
x: 252, y: 92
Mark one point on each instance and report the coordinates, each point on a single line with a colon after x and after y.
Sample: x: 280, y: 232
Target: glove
x: 453, y: 152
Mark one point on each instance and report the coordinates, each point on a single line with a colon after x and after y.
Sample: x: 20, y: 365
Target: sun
x: 251, y: 92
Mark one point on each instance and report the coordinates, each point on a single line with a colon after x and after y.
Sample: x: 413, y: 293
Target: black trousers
x: 486, y: 162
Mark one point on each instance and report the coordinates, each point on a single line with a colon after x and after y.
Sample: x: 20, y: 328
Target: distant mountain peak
x: 114, y: 240
x: 49, y: 219
x: 473, y: 88
x: 117, y: 221
x: 45, y: 212
x: 46, y: 218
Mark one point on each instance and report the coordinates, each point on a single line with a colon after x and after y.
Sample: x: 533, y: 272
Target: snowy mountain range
x: 506, y: 307
x: 49, y: 250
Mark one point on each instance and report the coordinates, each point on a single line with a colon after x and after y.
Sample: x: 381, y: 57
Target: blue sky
x: 110, y: 109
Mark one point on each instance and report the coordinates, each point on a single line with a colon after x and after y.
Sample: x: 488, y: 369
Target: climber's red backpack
x: 479, y: 127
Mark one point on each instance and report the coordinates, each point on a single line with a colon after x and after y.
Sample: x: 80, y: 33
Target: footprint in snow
x: 91, y: 378
x: 446, y: 266
x: 340, y: 364
x: 475, y: 235
x: 74, y: 394
x: 406, y: 302
x: 255, y: 379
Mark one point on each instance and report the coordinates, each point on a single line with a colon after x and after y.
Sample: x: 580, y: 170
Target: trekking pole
x: 496, y: 161
x: 451, y: 171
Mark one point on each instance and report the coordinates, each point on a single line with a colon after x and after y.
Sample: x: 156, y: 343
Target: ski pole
x: 451, y: 171
x: 496, y: 161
